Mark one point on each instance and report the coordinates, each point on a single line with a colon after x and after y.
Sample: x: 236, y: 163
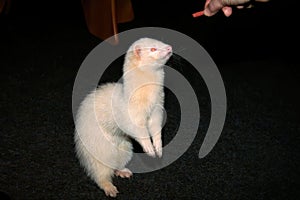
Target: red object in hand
x: 198, y: 14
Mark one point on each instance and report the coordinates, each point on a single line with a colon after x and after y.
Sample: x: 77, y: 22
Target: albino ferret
x: 112, y: 113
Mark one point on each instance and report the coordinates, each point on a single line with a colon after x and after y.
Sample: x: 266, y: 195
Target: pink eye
x: 153, y: 49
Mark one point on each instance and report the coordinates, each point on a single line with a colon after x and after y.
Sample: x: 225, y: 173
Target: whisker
x: 176, y: 62
x: 179, y: 50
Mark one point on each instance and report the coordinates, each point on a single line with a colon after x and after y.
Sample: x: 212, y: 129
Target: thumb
x: 227, y: 11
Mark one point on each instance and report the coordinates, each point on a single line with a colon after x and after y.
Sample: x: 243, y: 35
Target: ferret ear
x: 137, y: 51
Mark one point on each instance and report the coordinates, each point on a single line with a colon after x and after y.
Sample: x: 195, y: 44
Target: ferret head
x: 148, y: 53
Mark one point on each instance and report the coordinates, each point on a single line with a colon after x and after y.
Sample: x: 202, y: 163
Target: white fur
x: 113, y: 112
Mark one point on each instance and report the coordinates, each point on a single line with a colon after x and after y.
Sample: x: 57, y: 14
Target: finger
x: 250, y: 6
x: 212, y: 7
x: 227, y: 11
x: 233, y: 2
x: 206, y: 3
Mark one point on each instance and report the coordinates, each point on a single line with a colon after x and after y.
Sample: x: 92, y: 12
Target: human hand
x: 213, y: 6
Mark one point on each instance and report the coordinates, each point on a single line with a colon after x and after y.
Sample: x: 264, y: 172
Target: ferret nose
x: 169, y: 48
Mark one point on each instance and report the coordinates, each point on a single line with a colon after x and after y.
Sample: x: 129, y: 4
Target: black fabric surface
x: 42, y: 46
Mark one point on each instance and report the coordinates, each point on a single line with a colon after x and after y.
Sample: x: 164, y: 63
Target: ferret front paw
x: 147, y: 146
x: 157, y: 143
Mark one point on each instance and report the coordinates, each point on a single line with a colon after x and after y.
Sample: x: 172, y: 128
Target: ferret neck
x: 135, y: 77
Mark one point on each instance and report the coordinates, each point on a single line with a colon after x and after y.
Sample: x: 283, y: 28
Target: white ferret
x: 112, y: 113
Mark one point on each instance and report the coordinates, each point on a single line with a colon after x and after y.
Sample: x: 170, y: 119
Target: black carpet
x: 42, y: 45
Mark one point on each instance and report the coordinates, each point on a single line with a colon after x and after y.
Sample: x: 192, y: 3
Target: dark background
x: 42, y: 45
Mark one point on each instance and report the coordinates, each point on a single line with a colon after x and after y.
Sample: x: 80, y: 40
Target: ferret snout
x: 169, y: 49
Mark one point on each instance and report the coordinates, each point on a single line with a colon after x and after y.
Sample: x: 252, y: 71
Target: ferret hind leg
x: 103, y: 177
x: 125, y: 155
x: 123, y: 173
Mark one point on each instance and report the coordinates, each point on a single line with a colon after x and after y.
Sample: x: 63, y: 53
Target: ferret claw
x: 159, y: 152
x: 124, y: 173
x: 157, y: 143
x: 147, y: 147
x: 111, y: 190
x: 150, y: 151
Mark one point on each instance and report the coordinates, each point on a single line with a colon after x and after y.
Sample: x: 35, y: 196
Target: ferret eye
x: 153, y: 49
